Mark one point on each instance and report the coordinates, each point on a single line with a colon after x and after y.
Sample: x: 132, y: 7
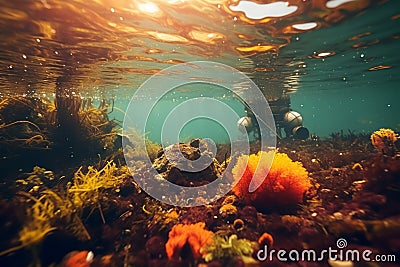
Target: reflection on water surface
x: 114, y: 45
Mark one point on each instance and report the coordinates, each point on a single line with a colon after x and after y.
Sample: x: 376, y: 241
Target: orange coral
x: 383, y: 139
x: 78, y: 259
x: 266, y: 240
x: 284, y: 184
x: 192, y: 234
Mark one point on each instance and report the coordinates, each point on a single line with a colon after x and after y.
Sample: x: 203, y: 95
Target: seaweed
x: 225, y: 249
x: 86, y: 189
x: 42, y: 218
x: 37, y: 176
x: 38, y: 224
x: 79, y: 123
x: 24, y: 123
x: 63, y: 210
x: 355, y: 197
x: 134, y: 146
x: 38, y: 131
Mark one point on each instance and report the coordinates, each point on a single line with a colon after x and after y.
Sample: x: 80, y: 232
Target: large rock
x: 183, y: 170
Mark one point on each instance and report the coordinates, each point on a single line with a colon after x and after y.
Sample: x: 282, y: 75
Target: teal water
x: 342, y: 75
x: 334, y: 93
x: 197, y: 127
x: 339, y: 92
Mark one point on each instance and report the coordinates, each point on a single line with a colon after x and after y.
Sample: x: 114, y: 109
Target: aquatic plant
x: 37, y: 226
x: 283, y: 186
x: 54, y: 210
x: 192, y: 235
x: 80, y: 124
x: 162, y: 218
x: 66, y: 214
x: 86, y: 188
x: 224, y: 249
x: 46, y: 130
x: 152, y: 149
x: 49, y: 212
x: 23, y: 123
x: 134, y: 146
x: 37, y: 176
x: 384, y: 140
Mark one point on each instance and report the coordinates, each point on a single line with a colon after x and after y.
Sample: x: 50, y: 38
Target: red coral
x: 283, y: 186
x: 266, y: 240
x: 192, y: 234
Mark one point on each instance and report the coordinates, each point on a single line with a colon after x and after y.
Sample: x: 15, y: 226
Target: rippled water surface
x: 100, y: 168
x: 108, y: 48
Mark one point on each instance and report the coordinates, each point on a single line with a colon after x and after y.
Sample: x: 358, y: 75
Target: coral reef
x: 192, y: 235
x: 283, y: 187
x: 227, y: 210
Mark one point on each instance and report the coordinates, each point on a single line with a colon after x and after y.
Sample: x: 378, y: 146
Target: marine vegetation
x: 37, y: 176
x: 284, y: 185
x: 40, y: 132
x: 23, y: 123
x: 86, y: 188
x: 37, y: 226
x: 47, y: 213
x: 224, y: 249
x: 134, y: 149
x: 384, y: 141
x: 100, y: 208
x: 79, y: 123
x: 63, y: 210
x: 192, y: 235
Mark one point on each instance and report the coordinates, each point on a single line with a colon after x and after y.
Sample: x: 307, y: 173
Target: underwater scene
x: 199, y: 133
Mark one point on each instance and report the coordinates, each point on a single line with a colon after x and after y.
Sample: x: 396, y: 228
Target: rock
x: 181, y: 163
